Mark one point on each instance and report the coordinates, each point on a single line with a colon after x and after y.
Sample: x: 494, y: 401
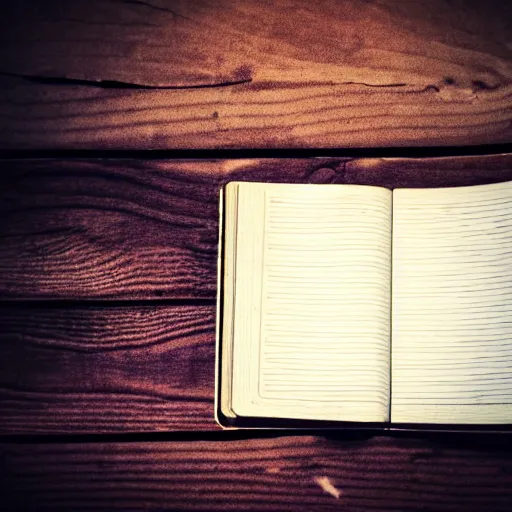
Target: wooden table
x: 108, y: 251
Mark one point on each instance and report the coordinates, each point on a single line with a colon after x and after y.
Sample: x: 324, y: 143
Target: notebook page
x: 452, y: 305
x: 323, y: 351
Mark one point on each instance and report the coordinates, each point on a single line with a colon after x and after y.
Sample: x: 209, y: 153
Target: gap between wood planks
x: 454, y: 440
x: 284, y: 153
x: 79, y: 303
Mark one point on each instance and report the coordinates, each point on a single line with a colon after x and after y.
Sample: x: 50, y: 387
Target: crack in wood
x: 115, y: 84
x: 157, y: 8
x: 109, y: 23
x: 374, y: 85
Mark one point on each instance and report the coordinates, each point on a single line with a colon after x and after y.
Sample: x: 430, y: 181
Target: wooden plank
x: 281, y: 474
x: 131, y: 229
x: 106, y: 229
x: 120, y: 228
x: 203, y: 74
x: 80, y: 369
x: 428, y: 172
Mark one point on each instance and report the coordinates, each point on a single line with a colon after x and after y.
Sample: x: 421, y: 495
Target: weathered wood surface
x: 225, y: 73
x: 80, y: 369
x: 128, y: 229
x: 281, y: 474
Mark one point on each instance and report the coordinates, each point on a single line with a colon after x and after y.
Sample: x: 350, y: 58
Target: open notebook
x: 360, y: 304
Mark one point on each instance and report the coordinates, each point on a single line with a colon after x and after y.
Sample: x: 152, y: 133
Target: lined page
x: 452, y: 305
x: 325, y: 303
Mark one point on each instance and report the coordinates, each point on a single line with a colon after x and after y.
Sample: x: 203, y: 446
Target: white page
x: 452, y: 305
x: 321, y: 297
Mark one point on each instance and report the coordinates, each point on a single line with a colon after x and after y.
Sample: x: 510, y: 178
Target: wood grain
x: 81, y: 369
x: 104, y: 229
x: 203, y: 74
x: 128, y: 229
x: 119, y: 228
x: 282, y: 474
